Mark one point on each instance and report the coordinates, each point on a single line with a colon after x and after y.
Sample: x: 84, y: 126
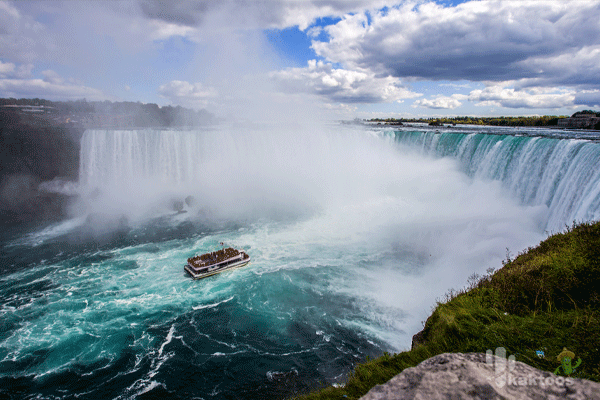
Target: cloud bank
x: 546, y: 51
x: 476, y: 41
x: 530, y: 55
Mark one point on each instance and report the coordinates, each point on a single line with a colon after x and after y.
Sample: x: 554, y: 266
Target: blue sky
x: 348, y: 58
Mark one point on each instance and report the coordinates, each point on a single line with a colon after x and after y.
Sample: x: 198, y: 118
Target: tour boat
x: 212, y: 263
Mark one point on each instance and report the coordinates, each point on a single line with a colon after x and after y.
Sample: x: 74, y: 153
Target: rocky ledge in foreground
x: 469, y: 376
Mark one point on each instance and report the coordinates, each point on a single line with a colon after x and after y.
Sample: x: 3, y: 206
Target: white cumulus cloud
x: 6, y: 69
x: 18, y: 81
x: 10, y: 70
x: 52, y: 77
x: 474, y: 41
x: 341, y: 85
x: 537, y: 97
x: 439, y: 102
x: 49, y: 90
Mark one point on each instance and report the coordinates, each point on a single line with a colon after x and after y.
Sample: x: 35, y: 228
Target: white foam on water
x: 167, y: 340
x: 213, y: 305
x: 36, y: 238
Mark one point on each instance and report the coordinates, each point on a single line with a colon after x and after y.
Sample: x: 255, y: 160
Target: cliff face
x: 33, y: 150
x: 35, y: 146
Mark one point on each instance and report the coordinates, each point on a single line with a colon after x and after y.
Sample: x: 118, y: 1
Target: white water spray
x: 398, y: 222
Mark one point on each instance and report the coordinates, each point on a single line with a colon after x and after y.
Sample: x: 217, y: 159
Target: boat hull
x: 195, y: 275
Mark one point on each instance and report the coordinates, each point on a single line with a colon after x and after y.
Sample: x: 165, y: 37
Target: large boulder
x: 471, y: 376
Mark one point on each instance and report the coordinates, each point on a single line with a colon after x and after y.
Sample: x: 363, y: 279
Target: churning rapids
x: 353, y: 231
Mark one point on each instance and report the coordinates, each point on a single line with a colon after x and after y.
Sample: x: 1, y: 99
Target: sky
x: 346, y: 58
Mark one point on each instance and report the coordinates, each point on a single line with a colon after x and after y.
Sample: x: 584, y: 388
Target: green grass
x: 545, y: 299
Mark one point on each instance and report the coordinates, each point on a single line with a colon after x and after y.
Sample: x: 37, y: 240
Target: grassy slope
x: 545, y: 299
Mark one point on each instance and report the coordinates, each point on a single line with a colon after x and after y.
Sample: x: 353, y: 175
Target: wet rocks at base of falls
x: 190, y: 201
x: 180, y: 205
x: 177, y: 205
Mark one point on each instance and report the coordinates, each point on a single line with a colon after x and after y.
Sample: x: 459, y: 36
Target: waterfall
x: 562, y: 174
x: 109, y: 157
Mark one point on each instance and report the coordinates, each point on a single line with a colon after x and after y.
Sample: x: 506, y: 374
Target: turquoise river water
x: 354, y: 232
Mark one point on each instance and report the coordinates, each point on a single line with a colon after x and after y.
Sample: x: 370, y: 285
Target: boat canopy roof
x: 212, y: 258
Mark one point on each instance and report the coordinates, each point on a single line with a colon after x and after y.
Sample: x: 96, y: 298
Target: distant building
x: 579, y: 121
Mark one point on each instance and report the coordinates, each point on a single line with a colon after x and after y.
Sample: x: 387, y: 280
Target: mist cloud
x: 188, y: 94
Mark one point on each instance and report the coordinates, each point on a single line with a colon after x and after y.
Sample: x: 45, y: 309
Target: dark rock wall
x: 34, y: 149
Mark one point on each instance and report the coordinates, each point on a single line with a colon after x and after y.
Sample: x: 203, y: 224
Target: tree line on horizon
x: 545, y: 120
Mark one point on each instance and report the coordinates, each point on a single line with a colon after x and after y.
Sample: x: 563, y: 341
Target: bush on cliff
x: 545, y: 299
